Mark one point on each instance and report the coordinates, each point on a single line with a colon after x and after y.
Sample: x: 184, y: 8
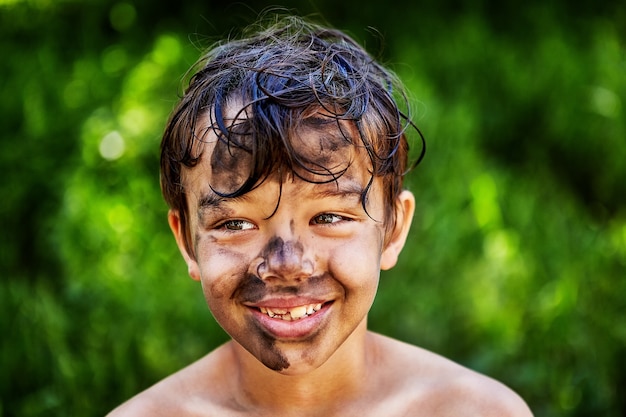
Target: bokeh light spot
x: 605, y: 102
x: 122, y: 16
x: 112, y: 146
x: 114, y: 60
x: 485, y: 201
x: 120, y: 218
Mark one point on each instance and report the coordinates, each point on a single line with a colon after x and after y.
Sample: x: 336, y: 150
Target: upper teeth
x: 289, y: 314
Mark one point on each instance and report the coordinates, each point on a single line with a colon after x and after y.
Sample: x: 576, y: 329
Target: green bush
x: 516, y: 264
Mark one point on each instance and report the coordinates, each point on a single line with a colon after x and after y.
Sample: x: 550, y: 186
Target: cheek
x: 221, y: 271
x: 357, y: 263
x: 225, y: 280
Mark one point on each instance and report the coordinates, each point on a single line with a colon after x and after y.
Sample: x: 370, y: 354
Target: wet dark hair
x: 280, y: 76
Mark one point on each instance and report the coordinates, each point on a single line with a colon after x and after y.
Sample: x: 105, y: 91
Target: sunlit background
x: 516, y: 265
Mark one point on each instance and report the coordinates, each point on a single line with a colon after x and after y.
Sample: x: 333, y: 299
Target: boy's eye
x: 237, y: 225
x: 327, y: 218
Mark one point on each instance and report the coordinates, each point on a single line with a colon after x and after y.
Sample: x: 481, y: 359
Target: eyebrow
x: 348, y: 190
x: 210, y: 200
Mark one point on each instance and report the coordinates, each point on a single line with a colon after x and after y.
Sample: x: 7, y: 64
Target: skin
x: 315, y: 244
x: 319, y: 246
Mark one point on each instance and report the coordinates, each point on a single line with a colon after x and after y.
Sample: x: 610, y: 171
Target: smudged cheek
x: 221, y: 273
x: 224, y: 274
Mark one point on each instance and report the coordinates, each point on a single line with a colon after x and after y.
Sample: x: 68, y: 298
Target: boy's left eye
x: 327, y: 218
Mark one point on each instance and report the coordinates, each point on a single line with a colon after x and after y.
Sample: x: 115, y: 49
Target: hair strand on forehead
x: 255, y: 93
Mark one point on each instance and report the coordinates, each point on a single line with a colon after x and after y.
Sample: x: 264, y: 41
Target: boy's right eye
x: 236, y: 225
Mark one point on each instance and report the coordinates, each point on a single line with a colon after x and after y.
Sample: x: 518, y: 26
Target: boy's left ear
x: 405, y: 207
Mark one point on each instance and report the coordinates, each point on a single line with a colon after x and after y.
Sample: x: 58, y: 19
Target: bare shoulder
x: 430, y: 384
x: 139, y: 405
x: 183, y: 393
x: 470, y: 393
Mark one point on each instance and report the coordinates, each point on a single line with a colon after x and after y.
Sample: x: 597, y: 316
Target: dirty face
x: 290, y: 269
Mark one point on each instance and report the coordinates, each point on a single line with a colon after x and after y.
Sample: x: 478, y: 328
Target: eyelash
x: 336, y: 218
x: 238, y: 223
x: 226, y: 225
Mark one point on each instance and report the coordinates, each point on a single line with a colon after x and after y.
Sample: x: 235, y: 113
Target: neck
x: 342, y: 377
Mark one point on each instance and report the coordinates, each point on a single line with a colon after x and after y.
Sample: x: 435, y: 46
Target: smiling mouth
x: 291, y: 314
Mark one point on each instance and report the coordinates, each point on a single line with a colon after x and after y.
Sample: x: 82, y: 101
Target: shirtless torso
x: 398, y: 380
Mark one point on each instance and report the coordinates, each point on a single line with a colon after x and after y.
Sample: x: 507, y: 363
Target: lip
x: 290, y: 330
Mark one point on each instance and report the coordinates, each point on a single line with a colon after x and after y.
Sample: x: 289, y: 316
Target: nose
x: 285, y: 261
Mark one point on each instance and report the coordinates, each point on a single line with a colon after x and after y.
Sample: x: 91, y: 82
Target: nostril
x: 261, y: 270
x: 257, y: 267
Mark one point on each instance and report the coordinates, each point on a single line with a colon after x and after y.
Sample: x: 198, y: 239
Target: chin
x: 298, y: 369
x: 304, y: 360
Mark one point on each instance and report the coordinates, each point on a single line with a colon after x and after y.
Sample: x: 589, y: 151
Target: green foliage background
x: 517, y: 262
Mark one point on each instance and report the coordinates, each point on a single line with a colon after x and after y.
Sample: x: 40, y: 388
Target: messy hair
x: 280, y: 74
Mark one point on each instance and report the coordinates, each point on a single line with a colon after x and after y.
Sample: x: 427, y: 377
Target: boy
x: 282, y: 166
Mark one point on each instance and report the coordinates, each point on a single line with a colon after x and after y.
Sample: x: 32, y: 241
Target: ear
x: 173, y: 218
x: 405, y: 207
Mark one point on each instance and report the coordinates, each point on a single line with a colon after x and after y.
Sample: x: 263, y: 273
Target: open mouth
x: 291, y: 314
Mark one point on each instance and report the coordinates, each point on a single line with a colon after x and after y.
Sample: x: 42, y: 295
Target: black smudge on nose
x: 275, y: 245
x: 279, y: 250
x: 251, y: 288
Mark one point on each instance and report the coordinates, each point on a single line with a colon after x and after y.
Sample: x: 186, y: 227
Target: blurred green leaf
x: 516, y: 264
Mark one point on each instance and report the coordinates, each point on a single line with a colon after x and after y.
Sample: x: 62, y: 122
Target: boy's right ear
x: 173, y: 218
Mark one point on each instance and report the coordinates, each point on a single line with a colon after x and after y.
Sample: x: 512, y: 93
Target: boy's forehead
x: 318, y: 148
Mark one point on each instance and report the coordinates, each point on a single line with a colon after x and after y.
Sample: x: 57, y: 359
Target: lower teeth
x: 286, y: 317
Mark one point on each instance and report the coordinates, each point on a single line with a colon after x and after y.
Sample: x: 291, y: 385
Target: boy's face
x: 290, y: 273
